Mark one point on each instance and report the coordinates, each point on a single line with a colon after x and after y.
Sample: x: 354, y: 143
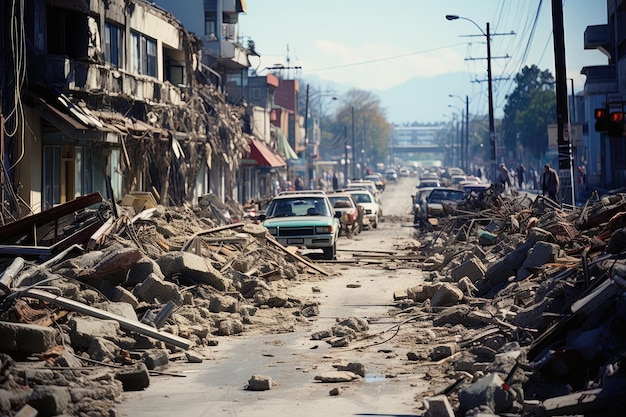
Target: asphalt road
x: 216, y: 386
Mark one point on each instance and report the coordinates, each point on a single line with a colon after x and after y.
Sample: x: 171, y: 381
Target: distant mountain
x: 426, y: 100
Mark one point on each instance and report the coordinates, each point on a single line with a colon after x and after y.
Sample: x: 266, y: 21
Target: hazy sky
x: 376, y: 45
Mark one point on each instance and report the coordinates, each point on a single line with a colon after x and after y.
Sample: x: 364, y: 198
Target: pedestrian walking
x: 521, y: 171
x: 505, y: 177
x: 299, y: 184
x: 550, y: 182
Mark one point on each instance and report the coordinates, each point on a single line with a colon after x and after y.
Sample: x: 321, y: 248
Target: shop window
x: 113, y: 44
x: 143, y: 55
x: 67, y: 173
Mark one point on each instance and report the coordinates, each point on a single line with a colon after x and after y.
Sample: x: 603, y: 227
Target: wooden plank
x: 125, y: 323
x: 271, y: 239
x: 26, y: 224
x: 206, y: 232
x: 576, y: 403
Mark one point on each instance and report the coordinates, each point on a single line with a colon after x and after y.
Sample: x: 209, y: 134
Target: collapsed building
x: 118, y: 96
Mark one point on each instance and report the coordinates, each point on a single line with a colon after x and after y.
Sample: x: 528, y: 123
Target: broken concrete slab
x: 26, y: 338
x: 337, y: 377
x: 191, y: 268
x: 260, y: 383
x: 488, y: 391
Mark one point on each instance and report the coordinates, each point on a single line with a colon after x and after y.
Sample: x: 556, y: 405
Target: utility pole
x: 467, y: 134
x: 492, y: 127
x: 563, y: 129
x: 353, y: 148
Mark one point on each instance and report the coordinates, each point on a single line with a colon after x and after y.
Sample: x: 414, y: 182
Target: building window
x: 143, y: 55
x: 210, y: 26
x: 113, y: 44
x: 67, y: 173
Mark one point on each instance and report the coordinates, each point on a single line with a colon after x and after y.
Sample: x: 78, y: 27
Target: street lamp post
x: 310, y: 147
x: 492, y: 129
x: 465, y: 145
x: 459, y: 137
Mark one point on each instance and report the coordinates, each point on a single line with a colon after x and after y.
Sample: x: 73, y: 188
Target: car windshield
x: 437, y: 196
x: 362, y: 198
x: 340, y: 201
x: 299, y: 206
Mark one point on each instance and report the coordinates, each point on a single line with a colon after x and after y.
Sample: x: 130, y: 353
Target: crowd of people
x: 547, y: 182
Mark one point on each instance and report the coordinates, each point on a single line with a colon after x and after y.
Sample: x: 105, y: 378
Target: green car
x: 303, y: 219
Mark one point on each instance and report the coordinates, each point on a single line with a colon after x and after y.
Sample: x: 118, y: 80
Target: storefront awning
x: 284, y: 147
x: 71, y: 120
x: 262, y: 156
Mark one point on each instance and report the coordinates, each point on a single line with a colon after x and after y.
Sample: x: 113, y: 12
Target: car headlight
x: 273, y: 230
x: 323, y: 229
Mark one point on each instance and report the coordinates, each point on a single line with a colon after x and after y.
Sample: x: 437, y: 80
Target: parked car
x: 429, y: 183
x: 378, y: 180
x: 351, y: 212
x: 440, y: 202
x: 372, y: 210
x: 391, y: 174
x: 418, y: 201
x: 303, y: 219
x: 364, y: 185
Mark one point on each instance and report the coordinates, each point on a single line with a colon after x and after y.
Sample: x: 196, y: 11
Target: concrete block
x: 443, y: 351
x: 473, y: 269
x: 488, y: 391
x: 154, y: 288
x: 438, y: 406
x: 260, y: 383
x: 84, y: 329
x: 540, y: 254
x: 50, y: 400
x: 155, y: 358
x: 192, y: 268
x: 133, y: 378
x: 26, y: 338
x: 446, y: 295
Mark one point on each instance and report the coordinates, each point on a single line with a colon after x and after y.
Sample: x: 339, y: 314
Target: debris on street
x: 96, y: 298
x: 527, y: 300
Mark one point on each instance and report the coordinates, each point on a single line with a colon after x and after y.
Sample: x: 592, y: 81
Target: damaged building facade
x: 118, y: 96
x: 605, y: 87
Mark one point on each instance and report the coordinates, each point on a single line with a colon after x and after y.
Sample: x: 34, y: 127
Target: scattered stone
x: 133, y: 378
x: 337, y: 376
x: 193, y: 357
x: 50, y: 400
x: 489, y: 391
x: 26, y: 338
x: 260, y: 383
x: 438, y: 406
x: 442, y: 351
x: 446, y: 295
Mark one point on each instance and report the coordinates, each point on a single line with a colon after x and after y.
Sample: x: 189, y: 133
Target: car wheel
x: 330, y: 252
x: 375, y: 224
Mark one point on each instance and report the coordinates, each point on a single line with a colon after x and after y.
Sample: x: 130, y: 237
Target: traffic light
x: 616, y: 124
x: 602, y: 119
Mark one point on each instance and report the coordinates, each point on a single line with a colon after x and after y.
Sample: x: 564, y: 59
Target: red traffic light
x: 602, y: 119
x: 617, y: 117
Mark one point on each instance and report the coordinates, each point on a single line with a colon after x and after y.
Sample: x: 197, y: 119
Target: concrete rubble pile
x: 526, y: 305
x: 151, y: 285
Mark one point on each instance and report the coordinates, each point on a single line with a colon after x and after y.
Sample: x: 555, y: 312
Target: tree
x: 529, y: 110
x: 371, y: 128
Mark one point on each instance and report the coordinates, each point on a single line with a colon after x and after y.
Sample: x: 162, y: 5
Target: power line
x: 372, y: 61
